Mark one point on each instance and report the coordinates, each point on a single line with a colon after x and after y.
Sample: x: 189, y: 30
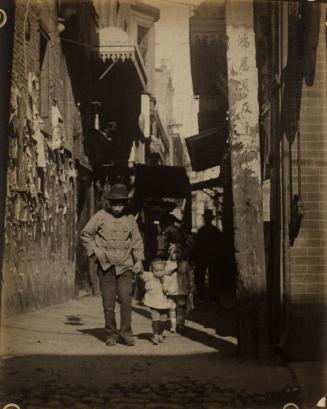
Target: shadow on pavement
x: 145, y: 312
x: 226, y: 348
x: 223, y: 321
x: 98, y: 333
x: 145, y: 335
x: 219, y: 321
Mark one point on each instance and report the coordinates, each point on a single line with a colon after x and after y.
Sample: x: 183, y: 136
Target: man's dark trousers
x: 112, y: 285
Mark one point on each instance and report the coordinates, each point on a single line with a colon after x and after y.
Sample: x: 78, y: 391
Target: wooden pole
x: 246, y: 179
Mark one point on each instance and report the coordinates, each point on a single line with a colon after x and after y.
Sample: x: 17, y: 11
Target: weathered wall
x: 246, y: 179
x: 308, y: 256
x: 39, y: 254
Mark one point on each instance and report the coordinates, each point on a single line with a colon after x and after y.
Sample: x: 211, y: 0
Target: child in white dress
x: 156, y: 299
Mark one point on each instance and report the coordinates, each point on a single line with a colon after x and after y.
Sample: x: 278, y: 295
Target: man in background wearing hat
x: 113, y: 237
x: 173, y: 230
x: 208, y: 252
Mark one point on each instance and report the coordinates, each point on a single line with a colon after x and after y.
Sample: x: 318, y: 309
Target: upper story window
x: 142, y: 40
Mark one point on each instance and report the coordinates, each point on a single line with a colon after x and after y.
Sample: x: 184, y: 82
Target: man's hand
x: 138, y: 267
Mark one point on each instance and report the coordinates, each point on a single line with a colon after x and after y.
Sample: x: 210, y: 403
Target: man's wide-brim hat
x: 117, y: 192
x: 208, y: 213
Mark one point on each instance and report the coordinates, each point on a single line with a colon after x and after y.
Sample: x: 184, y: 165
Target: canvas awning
x: 115, y: 44
x: 161, y: 181
x: 206, y: 149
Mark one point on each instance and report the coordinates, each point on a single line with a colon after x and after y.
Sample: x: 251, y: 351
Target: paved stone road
x: 56, y: 357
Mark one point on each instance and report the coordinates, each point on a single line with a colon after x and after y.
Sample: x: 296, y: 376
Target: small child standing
x: 178, y: 285
x: 156, y: 300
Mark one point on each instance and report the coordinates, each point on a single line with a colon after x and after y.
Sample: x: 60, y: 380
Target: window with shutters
x: 44, y: 53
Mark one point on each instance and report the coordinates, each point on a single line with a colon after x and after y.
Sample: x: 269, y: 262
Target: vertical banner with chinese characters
x: 246, y: 177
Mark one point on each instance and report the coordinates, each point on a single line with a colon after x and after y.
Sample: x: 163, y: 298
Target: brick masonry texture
x: 308, y: 256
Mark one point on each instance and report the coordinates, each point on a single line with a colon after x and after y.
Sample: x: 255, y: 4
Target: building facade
x: 46, y: 140
x: 81, y: 110
x: 274, y: 175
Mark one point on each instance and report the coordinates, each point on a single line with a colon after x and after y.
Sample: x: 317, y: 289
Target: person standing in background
x: 208, y: 255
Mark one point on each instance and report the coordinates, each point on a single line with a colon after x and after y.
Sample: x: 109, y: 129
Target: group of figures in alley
x: 113, y: 238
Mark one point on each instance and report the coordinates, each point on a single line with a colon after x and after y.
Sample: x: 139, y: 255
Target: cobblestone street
x: 55, y: 357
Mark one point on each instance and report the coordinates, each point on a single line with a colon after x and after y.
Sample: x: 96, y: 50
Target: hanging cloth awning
x: 115, y: 44
x: 161, y: 181
x: 206, y: 149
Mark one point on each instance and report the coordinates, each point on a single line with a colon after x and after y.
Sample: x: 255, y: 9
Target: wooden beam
x: 246, y: 179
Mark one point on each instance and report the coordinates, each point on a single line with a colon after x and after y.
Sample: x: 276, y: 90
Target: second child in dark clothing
x: 178, y: 285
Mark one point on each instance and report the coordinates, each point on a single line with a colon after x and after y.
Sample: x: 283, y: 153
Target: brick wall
x: 308, y: 256
x: 39, y: 254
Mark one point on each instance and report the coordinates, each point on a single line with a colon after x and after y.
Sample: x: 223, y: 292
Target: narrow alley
x: 166, y: 166
x: 56, y: 357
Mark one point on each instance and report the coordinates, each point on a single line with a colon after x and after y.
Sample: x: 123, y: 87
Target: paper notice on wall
x: 57, y: 128
x: 266, y: 200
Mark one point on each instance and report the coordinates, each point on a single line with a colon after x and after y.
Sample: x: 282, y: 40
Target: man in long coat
x: 113, y: 238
